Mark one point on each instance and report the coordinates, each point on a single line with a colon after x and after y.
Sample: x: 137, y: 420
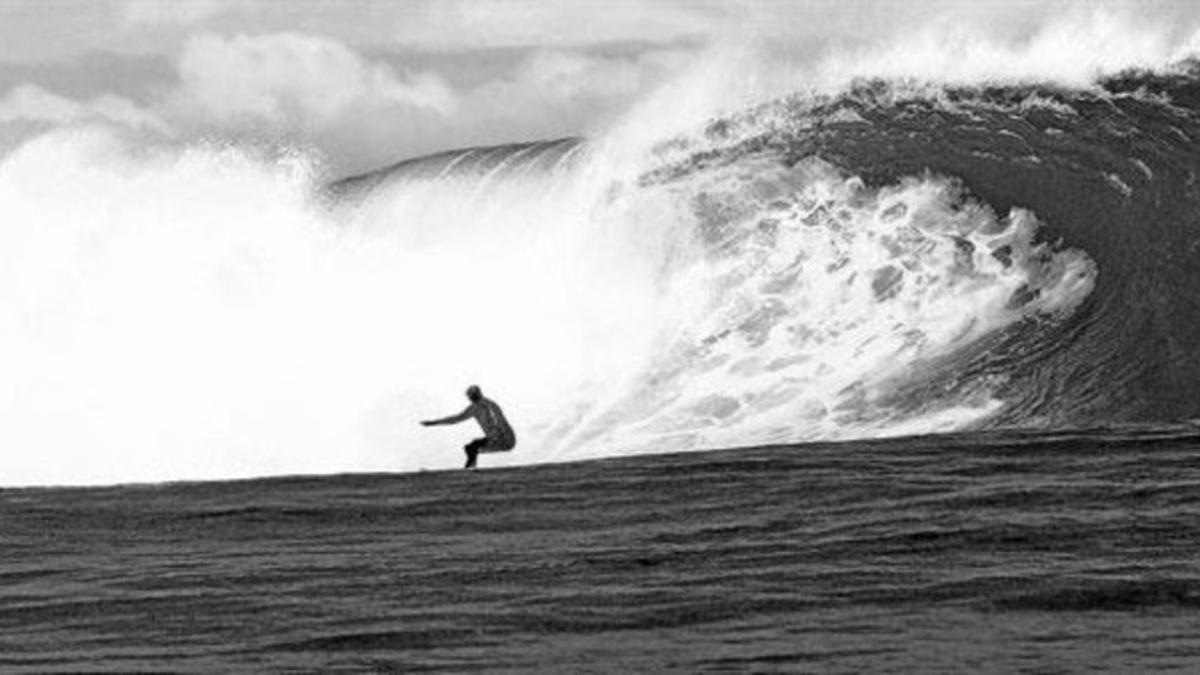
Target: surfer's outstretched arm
x: 453, y: 419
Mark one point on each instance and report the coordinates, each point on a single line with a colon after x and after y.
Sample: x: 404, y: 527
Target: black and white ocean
x: 984, y: 552
x: 898, y: 379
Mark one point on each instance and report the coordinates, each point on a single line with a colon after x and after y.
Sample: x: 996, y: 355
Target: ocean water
x: 895, y: 376
x: 997, y: 552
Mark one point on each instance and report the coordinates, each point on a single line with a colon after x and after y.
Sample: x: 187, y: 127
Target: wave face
x: 890, y: 260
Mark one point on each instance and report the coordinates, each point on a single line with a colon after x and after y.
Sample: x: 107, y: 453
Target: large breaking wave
x: 891, y: 259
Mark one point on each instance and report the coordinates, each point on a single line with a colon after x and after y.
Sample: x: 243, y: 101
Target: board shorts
x: 486, y: 444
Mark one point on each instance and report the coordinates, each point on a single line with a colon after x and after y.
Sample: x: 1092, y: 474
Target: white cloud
x: 30, y: 103
x: 292, y: 78
x: 559, y: 76
x: 171, y: 12
x: 557, y: 92
x: 368, y: 112
x: 473, y: 24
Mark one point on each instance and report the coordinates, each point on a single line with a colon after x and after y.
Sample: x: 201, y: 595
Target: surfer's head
x: 474, y: 393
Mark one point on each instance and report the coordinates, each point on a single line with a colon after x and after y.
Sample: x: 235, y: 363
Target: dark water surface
x: 985, y: 552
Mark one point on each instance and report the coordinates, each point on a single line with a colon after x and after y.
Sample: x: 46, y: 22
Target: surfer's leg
x: 472, y: 450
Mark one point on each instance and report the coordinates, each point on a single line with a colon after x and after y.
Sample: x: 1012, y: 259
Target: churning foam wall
x: 171, y: 313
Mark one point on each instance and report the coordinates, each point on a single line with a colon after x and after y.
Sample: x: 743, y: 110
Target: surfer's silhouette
x: 498, y: 435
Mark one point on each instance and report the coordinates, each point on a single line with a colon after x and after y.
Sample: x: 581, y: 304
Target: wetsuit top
x: 491, y: 418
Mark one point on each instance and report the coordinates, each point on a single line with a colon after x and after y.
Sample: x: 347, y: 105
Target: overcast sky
x: 368, y: 82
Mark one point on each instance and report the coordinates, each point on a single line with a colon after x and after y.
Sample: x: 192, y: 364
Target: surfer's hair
x: 474, y: 393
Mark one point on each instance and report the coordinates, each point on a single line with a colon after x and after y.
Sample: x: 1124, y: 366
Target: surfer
x: 498, y: 435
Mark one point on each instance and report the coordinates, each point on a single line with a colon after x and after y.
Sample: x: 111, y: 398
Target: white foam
x: 803, y: 297
x: 171, y: 314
